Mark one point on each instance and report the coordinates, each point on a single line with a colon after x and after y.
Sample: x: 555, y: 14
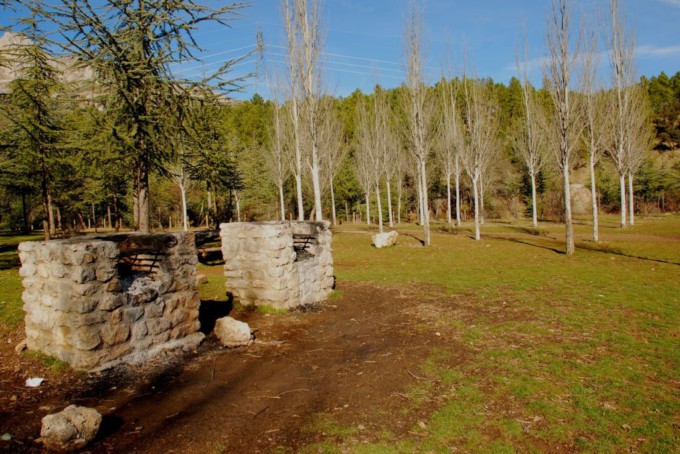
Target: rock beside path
x: 233, y: 333
x: 70, y: 429
x: 385, y: 239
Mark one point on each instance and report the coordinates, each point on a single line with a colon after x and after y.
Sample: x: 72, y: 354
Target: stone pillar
x: 263, y: 267
x: 82, y: 309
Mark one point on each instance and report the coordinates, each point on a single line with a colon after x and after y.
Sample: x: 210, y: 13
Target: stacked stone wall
x: 281, y: 264
x: 96, y: 302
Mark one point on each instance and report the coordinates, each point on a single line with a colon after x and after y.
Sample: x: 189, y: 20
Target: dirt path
x: 345, y: 365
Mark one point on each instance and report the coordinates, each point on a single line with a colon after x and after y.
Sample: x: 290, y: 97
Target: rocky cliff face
x: 11, y: 67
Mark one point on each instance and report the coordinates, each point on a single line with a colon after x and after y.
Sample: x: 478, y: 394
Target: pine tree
x: 131, y: 45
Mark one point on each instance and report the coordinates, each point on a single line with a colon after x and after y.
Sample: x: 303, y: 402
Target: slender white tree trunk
x: 622, y: 185
x: 534, y: 211
x: 379, y: 202
x: 475, y: 191
x: 389, y: 203
x: 399, y: 188
x: 94, y: 217
x: 448, y: 198
x: 457, y: 197
x: 207, y: 214
x: 335, y: 221
x: 50, y: 211
x: 420, y: 199
x: 282, y: 202
x: 185, y: 221
x: 238, y: 207
x: 567, y: 210
x: 481, y: 199
x: 298, y: 188
x: 426, y: 210
x: 298, y: 160
x: 316, y: 183
x: 368, y: 209
x: 593, y: 189
x: 631, y: 199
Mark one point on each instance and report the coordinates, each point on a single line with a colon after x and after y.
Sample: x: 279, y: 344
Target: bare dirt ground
x: 350, y: 362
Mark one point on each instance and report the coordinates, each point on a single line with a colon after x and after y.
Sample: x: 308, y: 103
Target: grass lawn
x: 564, y: 353
x: 11, y: 313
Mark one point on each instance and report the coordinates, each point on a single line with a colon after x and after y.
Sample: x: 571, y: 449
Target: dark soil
x: 346, y: 364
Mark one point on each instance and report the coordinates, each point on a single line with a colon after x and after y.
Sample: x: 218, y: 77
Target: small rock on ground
x: 385, y: 239
x: 70, y: 429
x: 233, y: 333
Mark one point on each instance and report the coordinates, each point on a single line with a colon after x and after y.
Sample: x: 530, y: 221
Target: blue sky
x: 363, y: 38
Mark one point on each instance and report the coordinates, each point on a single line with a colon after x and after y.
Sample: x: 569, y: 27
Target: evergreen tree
x: 35, y: 131
x: 131, y: 45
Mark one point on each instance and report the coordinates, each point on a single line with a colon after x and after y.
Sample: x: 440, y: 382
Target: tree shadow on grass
x: 533, y: 231
x: 9, y: 263
x: 593, y: 247
x: 528, y: 243
x: 422, y: 242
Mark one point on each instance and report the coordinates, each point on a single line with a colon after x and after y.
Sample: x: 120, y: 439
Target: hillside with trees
x: 71, y: 157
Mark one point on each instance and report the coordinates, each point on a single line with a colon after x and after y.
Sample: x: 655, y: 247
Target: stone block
x: 139, y: 330
x: 110, y: 301
x: 132, y: 314
x: 154, y: 310
x: 83, y: 274
x: 85, y: 338
x: 106, y: 273
x: 157, y: 325
x: 114, y: 334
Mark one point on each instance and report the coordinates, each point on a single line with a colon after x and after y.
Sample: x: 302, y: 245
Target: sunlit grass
x: 590, y: 364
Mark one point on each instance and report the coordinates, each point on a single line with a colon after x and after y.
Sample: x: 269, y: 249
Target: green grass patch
x: 53, y: 363
x: 579, y: 353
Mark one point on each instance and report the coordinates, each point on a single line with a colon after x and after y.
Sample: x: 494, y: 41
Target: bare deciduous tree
x: 622, y: 55
x: 559, y: 72
x: 419, y: 105
x: 308, y: 14
x: 640, y: 137
x: 452, y: 144
x: 280, y: 149
x: 288, y: 13
x: 372, y: 129
x: 529, y: 138
x: 594, y: 110
x: 363, y: 160
x: 332, y: 151
x: 481, y: 144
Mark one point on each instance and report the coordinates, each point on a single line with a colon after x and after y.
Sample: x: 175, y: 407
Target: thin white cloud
x: 675, y: 3
x: 659, y: 51
x: 647, y: 50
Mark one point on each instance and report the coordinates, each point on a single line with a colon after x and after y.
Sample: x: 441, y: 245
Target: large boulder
x: 385, y: 239
x: 70, y: 429
x: 233, y: 333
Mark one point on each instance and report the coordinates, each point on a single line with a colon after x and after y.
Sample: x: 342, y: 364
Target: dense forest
x: 70, y: 159
x: 90, y: 184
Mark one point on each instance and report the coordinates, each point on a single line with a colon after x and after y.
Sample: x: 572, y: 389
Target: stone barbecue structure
x: 281, y: 264
x: 95, y: 302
